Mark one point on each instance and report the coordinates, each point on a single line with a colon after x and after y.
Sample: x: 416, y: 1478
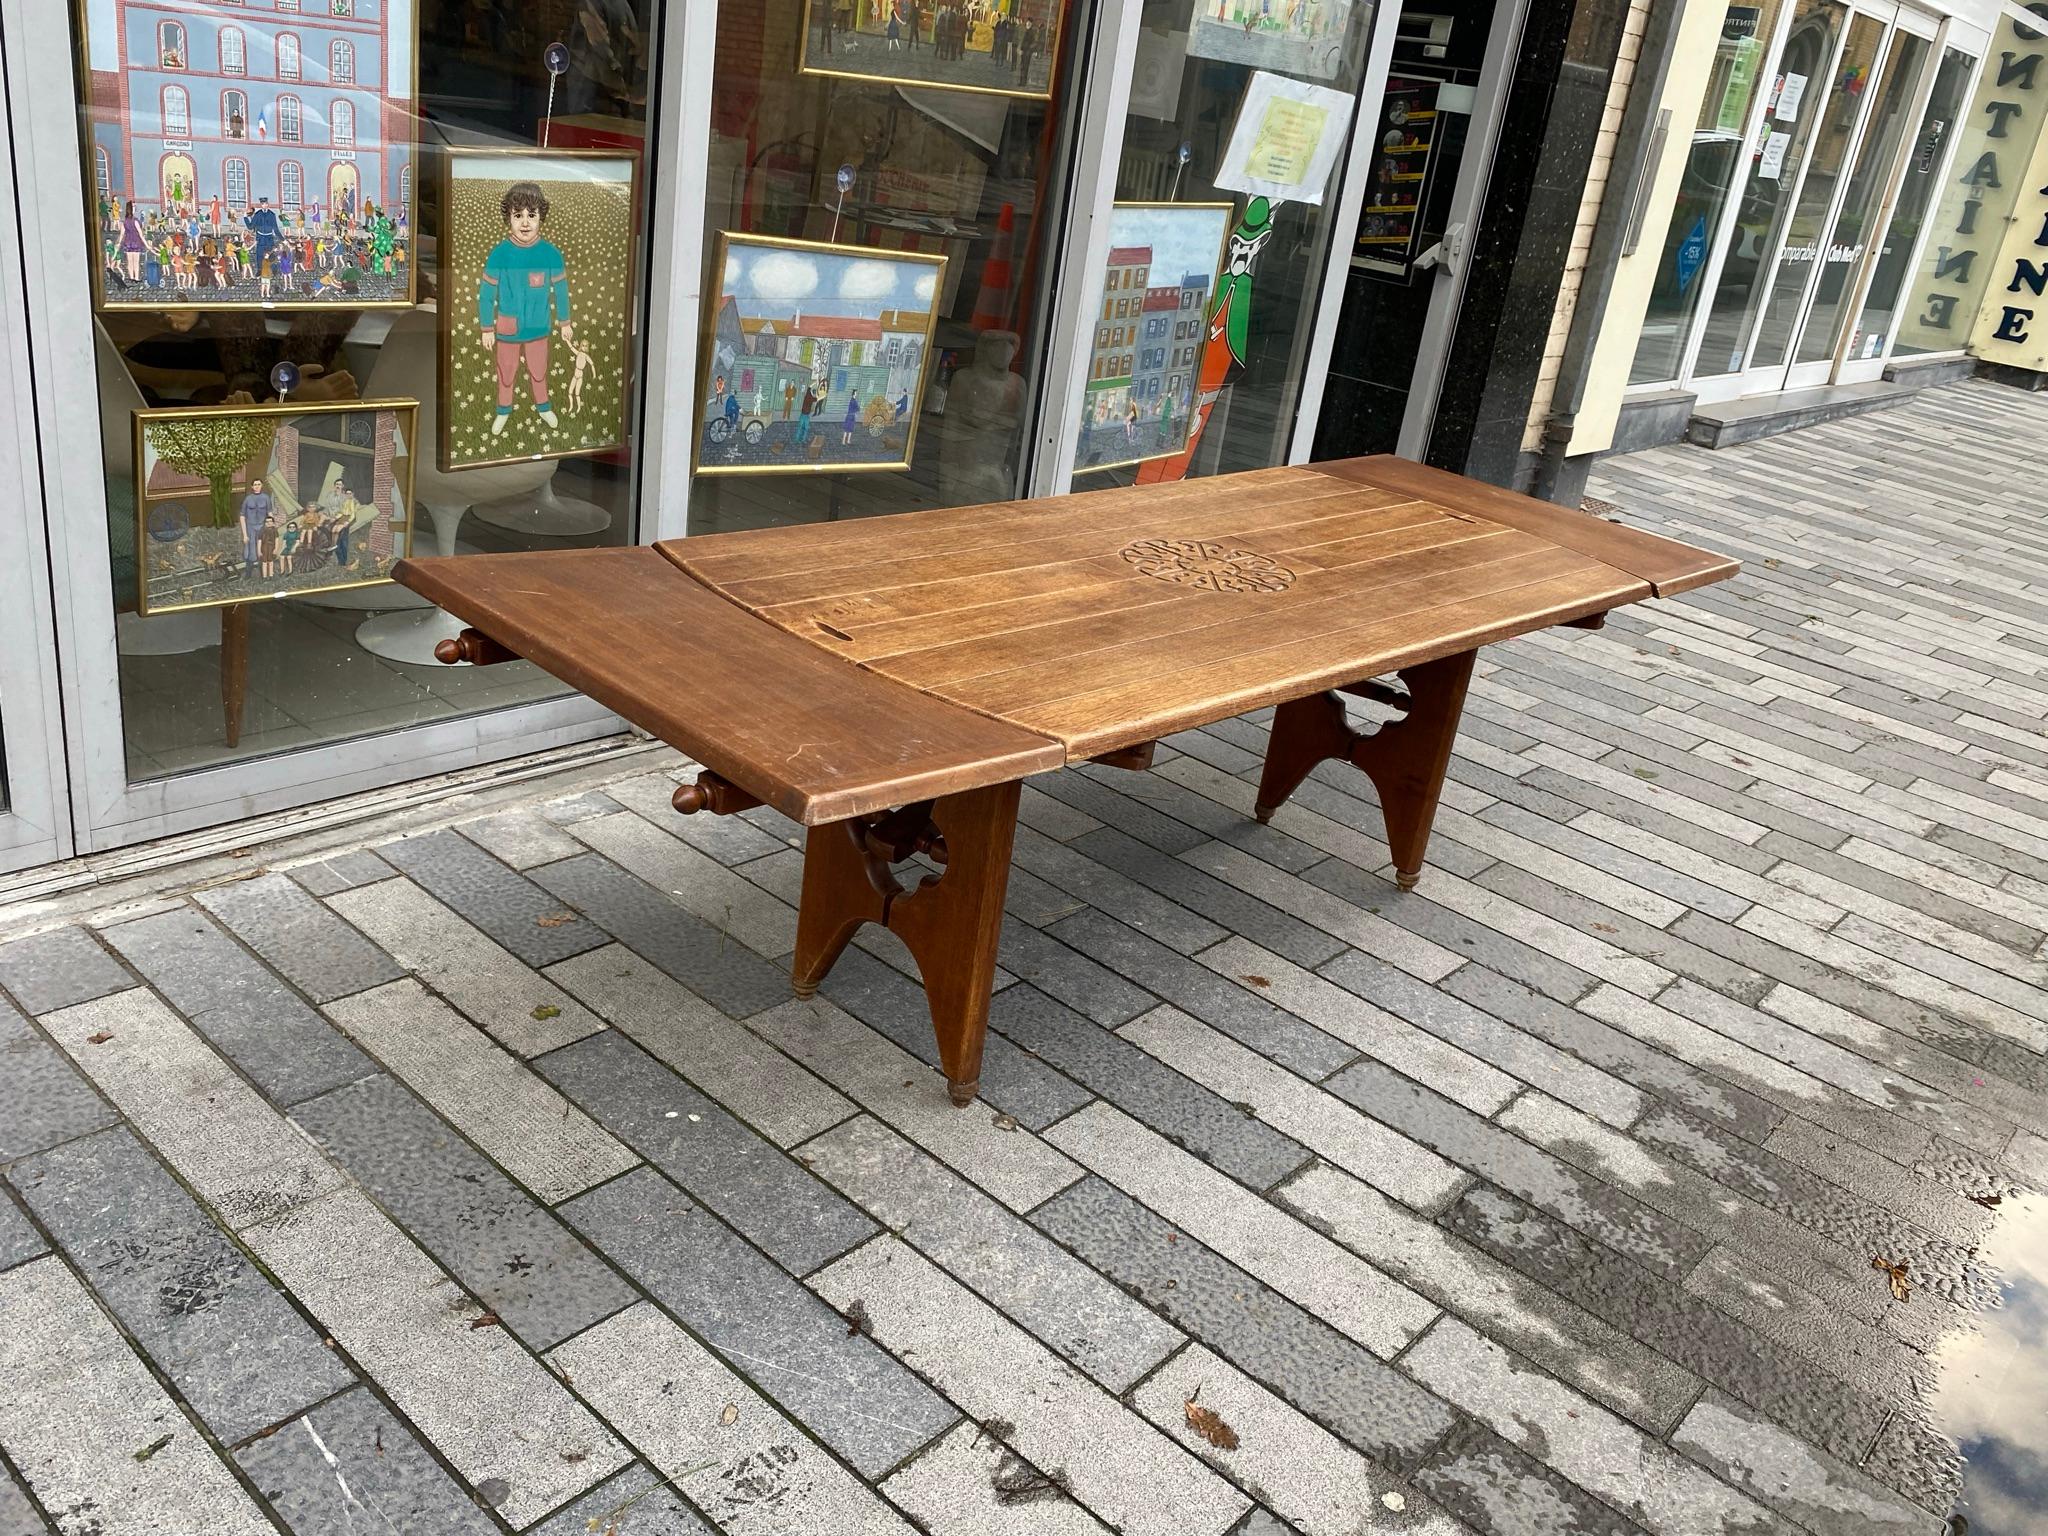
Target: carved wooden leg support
x: 1405, y: 759
x: 234, y: 669
x: 950, y: 922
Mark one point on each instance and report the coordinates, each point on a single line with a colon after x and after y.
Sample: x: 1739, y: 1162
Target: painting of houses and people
x: 245, y: 157
x: 1146, y: 358
x: 1003, y: 47
x: 241, y: 503
x: 1292, y: 37
x: 536, y: 278
x: 818, y: 356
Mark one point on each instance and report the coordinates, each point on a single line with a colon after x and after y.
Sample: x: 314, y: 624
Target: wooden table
x: 890, y: 682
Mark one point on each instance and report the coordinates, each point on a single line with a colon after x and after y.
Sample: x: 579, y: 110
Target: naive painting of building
x: 252, y: 153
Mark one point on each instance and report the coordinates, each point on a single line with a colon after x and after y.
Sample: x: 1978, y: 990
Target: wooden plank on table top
x: 818, y: 738
x: 1248, y: 630
x: 750, y: 554
x: 1074, y: 647
x: 1091, y: 724
x: 1667, y: 565
x: 1225, y: 522
x: 920, y: 600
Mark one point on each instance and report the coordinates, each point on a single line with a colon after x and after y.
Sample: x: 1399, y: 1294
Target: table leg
x: 949, y: 921
x: 1405, y: 758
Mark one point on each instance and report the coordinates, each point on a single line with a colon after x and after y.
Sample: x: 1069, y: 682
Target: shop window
x: 170, y: 44
x: 291, y: 120
x: 234, y: 56
x: 341, y: 61
x: 287, y: 56
x: 177, y: 112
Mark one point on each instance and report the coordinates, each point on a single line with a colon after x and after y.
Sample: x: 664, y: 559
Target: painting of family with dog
x: 818, y: 356
x: 536, y: 279
x: 241, y: 503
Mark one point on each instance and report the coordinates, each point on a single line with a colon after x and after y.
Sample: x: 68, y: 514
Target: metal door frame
x: 106, y: 809
x: 35, y: 824
x: 1475, y: 170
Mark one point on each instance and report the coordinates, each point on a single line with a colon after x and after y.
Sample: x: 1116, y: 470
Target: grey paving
x: 794, y: 1348
x: 1539, y: 1200
x: 501, y: 1243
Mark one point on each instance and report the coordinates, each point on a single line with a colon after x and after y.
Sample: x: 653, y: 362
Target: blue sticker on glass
x: 1692, y: 250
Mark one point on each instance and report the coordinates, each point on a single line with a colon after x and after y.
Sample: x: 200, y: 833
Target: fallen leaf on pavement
x: 1208, y: 1423
x: 554, y: 919
x: 1256, y: 981
x: 729, y: 1414
x: 1901, y: 1284
x: 152, y: 1448
x: 856, y: 1315
x: 101, y: 1038
x: 488, y: 1320
x: 547, y: 1011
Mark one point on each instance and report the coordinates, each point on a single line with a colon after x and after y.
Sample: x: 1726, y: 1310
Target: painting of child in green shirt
x: 521, y: 300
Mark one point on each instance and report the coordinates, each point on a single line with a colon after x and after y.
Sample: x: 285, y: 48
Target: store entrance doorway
x: 1433, y: 147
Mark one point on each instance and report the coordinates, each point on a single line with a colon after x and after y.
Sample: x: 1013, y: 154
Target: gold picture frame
x: 806, y: 64
x: 775, y: 436
x: 183, y: 563
x: 611, y: 372
x: 119, y: 192
x: 1127, y: 222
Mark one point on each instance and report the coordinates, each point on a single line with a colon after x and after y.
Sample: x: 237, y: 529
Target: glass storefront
x: 1880, y: 315
x: 287, y: 217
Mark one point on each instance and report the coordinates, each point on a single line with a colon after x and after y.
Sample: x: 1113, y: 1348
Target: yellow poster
x: 1284, y: 147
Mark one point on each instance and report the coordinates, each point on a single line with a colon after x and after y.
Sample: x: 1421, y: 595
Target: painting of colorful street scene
x: 818, y: 356
x: 1004, y: 47
x: 1146, y: 357
x: 242, y: 503
x: 1293, y: 37
x: 249, y: 157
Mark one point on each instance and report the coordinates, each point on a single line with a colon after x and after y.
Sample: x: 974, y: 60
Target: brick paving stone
x: 1035, y: 902
x: 795, y: 1348
x: 348, y: 1465
x: 484, y: 1091
x: 1336, y: 1382
x: 1808, y: 1486
x: 745, y: 1465
x: 520, y: 837
x: 1114, y: 1463
x: 525, y: 1013
x: 43, y: 1100
x: 1192, y: 988
x: 1938, y: 1210
x: 1053, y: 818
x: 1605, y: 1212
x: 635, y: 1503
x: 972, y: 1484
x: 694, y: 881
x: 231, y: 1345
x: 1650, y: 1484
x: 1533, y: 1060
x: 1070, y: 976
x: 1336, y: 1285
x: 1918, y: 1461
x: 719, y: 1162
x: 1161, y: 918
x: 1155, y: 828
x: 475, y: 1393
x: 721, y: 1056
x: 718, y: 969
x: 1321, y: 1485
x: 1192, y: 1116
x: 499, y: 901
x: 1012, y: 1080
x: 893, y: 1086
x: 18, y: 1516
x: 299, y: 938
x: 731, y: 840
x: 1633, y: 1380
x: 76, y: 1438
x: 1497, y: 1489
x: 19, y: 1241
x: 245, y: 1010
x: 487, y: 1232
x: 574, y: 808
x: 236, y: 1152
x: 1066, y: 1305
x: 1333, y: 1130
x: 48, y: 971
x: 341, y: 872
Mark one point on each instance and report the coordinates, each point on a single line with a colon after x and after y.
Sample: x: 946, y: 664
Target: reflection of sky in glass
x: 1183, y: 240
x: 1991, y: 1395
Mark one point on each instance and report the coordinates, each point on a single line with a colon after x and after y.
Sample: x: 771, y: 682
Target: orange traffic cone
x: 992, y: 303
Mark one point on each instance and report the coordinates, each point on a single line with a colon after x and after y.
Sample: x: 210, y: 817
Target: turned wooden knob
x: 711, y: 793
x: 449, y: 653
x: 689, y: 799
x: 474, y: 647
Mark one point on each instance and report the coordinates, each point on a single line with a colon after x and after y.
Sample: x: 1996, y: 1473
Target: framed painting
x: 245, y: 158
x: 537, y: 258
x: 1004, y: 49
x: 1145, y: 358
x: 1312, y: 38
x: 241, y: 503
x: 816, y: 357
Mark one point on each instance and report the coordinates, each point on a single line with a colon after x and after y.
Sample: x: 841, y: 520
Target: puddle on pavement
x: 1991, y: 1392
